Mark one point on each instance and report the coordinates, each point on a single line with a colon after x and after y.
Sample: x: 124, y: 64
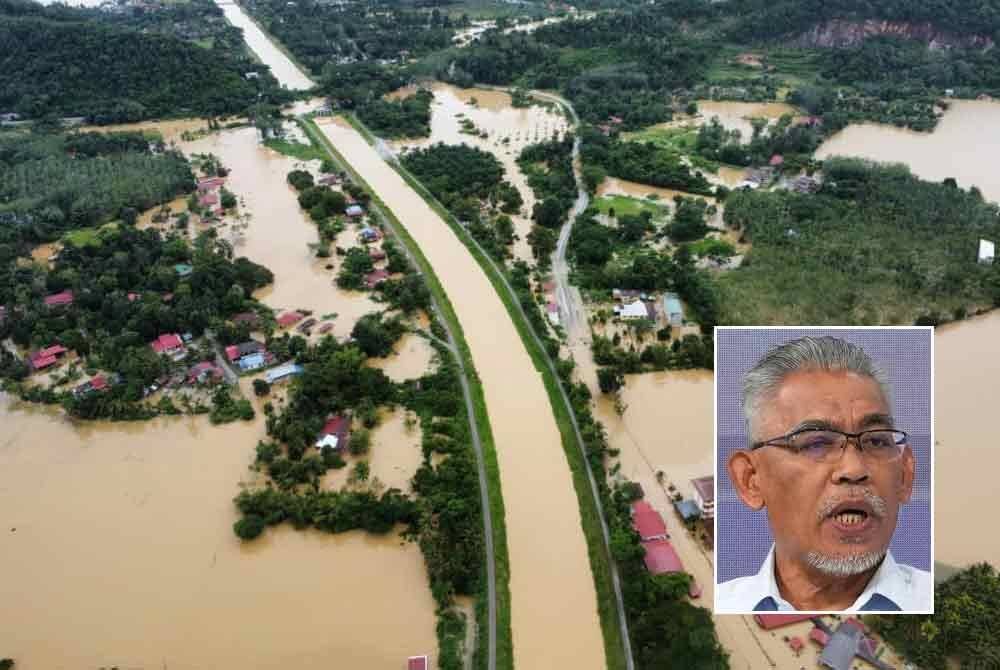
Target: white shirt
x: 910, y: 589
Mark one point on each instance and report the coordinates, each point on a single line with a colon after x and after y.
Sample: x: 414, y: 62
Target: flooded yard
x: 737, y: 115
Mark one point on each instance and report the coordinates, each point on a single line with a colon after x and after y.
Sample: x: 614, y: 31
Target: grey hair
x: 827, y: 353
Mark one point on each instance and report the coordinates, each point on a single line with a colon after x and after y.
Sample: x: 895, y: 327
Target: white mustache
x: 876, y: 502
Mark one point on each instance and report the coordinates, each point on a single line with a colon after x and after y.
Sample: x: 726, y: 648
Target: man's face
x: 808, y: 502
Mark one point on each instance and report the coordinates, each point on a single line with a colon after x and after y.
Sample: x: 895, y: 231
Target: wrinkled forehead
x: 843, y: 400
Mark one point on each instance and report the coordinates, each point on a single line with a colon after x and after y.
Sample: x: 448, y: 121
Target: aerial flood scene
x: 382, y: 335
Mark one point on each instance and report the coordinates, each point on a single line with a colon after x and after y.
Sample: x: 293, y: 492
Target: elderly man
x: 831, y: 468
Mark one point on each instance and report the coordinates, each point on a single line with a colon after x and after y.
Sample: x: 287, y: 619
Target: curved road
x: 571, y: 312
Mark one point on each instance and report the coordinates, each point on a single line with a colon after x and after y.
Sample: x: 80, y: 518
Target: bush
x: 261, y: 387
x: 249, y: 527
x: 360, y: 443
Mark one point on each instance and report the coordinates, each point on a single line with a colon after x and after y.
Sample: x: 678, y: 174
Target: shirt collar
x: 887, y: 587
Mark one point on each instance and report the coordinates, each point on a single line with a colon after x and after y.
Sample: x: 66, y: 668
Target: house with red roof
x: 47, y: 357
x: 777, y: 160
x: 210, y: 183
x: 417, y: 663
x: 289, y: 318
x: 373, y: 279
x: 208, y: 200
x: 206, y: 372
x: 661, y: 557
x: 336, y: 432
x: 98, y: 383
x: 376, y: 254
x: 61, y: 299
x: 647, y: 522
x: 132, y: 296
x: 170, y: 344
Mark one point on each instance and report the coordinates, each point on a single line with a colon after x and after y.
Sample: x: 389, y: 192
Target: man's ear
x: 906, y: 476
x: 745, y: 477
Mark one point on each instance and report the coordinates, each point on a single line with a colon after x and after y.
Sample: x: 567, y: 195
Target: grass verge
x: 600, y: 561
x: 504, y: 643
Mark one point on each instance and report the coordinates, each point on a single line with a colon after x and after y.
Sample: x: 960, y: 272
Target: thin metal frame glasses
x: 825, y: 445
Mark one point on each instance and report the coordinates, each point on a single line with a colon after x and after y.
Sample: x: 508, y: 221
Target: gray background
x: 743, y: 536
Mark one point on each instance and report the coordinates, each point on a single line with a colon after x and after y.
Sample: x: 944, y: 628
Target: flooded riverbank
x: 284, y: 70
x: 508, y: 130
x: 963, y: 146
x: 554, y: 618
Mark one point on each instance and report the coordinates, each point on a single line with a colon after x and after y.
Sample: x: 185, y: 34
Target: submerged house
x: 335, y: 433
x: 47, y: 357
x: 283, y: 372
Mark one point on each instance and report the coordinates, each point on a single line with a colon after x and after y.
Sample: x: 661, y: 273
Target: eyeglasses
x: 826, y: 446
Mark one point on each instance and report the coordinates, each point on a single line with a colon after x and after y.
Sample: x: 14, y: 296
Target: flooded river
x: 963, y: 145
x: 508, y: 130
x: 553, y: 605
x: 116, y: 541
x: 284, y: 70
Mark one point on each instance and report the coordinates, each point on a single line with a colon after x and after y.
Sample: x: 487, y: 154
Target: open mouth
x: 852, y: 516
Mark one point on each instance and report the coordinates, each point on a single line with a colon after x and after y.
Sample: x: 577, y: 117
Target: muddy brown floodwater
x: 116, y: 548
x: 116, y: 541
x: 964, y: 145
x: 279, y: 232
x: 737, y: 115
x: 554, y: 617
x: 508, y: 129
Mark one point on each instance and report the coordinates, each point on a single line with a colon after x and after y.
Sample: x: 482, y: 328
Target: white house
x: 704, y: 495
x: 635, y: 310
x: 987, y: 251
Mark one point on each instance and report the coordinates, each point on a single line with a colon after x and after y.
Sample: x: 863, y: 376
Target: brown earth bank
x: 848, y: 33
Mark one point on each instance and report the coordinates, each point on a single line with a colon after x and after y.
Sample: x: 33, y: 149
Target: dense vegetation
x: 875, y: 246
x: 320, y: 33
x: 112, y: 333
x: 409, y: 117
x: 469, y: 183
x: 620, y: 64
x: 50, y: 183
x: 963, y: 627
x: 643, y: 162
x: 68, y: 63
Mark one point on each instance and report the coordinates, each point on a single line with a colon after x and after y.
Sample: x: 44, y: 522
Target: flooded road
x: 117, y: 549
x: 554, y: 617
x: 963, y: 145
x: 508, y: 130
x: 284, y: 70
